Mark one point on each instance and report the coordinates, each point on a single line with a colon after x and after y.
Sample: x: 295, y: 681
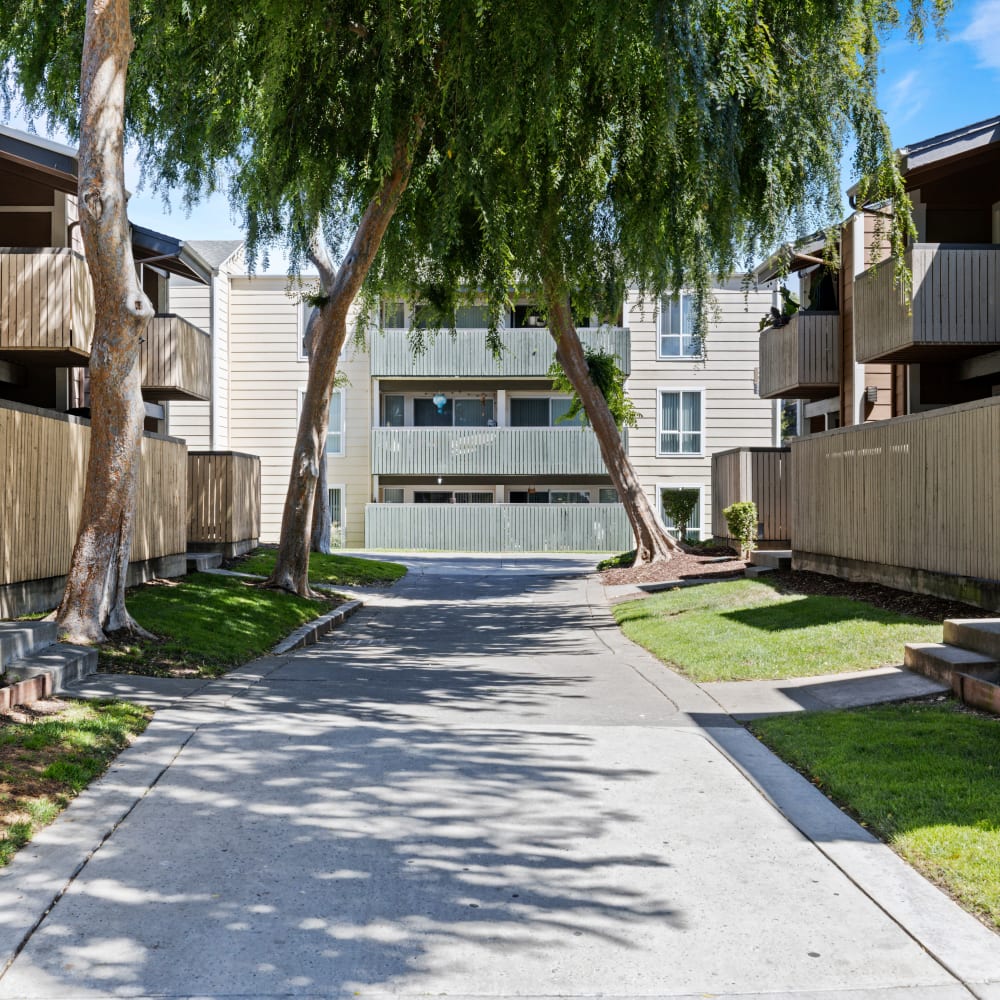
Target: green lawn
x: 747, y: 630
x: 333, y: 569
x: 923, y: 777
x: 207, y: 624
x: 46, y: 762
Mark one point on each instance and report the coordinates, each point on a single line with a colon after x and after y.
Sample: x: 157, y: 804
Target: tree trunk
x: 94, y: 598
x: 653, y: 544
x: 329, y: 332
x: 320, y: 537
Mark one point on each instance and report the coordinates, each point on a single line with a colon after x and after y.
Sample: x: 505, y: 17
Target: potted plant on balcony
x: 780, y: 317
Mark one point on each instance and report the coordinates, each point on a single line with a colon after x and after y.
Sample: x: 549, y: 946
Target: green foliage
x: 679, y: 506
x: 52, y: 759
x: 208, y: 624
x: 747, y: 630
x: 741, y: 519
x: 623, y: 560
x: 347, y: 571
x: 922, y: 777
x: 609, y: 379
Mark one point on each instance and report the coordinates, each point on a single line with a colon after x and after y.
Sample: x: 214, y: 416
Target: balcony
x: 486, y: 451
x: 956, y: 305
x: 46, y: 307
x: 802, y: 359
x: 528, y: 355
x: 176, y: 360
x: 498, y: 527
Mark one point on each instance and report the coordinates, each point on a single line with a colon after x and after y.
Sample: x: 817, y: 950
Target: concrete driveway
x: 475, y: 788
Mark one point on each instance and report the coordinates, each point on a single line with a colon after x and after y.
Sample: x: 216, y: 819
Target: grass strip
x: 206, y: 624
x: 748, y: 630
x: 922, y: 777
x: 48, y: 760
x: 332, y: 569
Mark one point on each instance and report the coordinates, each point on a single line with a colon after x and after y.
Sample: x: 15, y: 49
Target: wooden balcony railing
x: 176, y: 359
x: 498, y: 527
x: 801, y: 360
x: 529, y: 353
x: 46, y: 306
x: 486, y: 451
x: 955, y: 307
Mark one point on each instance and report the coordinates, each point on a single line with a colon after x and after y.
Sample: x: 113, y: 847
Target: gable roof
x: 213, y: 253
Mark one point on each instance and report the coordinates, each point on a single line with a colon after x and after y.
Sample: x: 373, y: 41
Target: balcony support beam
x: 984, y: 364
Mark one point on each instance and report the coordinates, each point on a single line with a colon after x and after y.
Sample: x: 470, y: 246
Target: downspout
x: 212, y: 292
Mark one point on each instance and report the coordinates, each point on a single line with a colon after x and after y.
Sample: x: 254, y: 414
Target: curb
x: 310, y: 633
x: 47, y: 671
x: 26, y: 692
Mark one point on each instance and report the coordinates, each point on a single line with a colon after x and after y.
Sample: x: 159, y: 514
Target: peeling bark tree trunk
x: 653, y: 544
x: 319, y: 540
x: 338, y: 289
x: 94, y: 598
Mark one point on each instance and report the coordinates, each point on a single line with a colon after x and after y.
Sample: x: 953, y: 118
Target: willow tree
x: 636, y: 143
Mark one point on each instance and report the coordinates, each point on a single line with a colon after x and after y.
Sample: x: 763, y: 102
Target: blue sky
x: 924, y: 90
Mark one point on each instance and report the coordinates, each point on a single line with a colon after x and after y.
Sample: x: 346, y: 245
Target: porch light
x: 439, y: 399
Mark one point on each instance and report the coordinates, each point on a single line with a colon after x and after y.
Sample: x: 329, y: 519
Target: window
x: 474, y: 411
x: 569, y: 496
x: 541, y: 411
x: 694, y: 525
x: 338, y: 524
x: 305, y: 314
x: 335, y: 431
x: 444, y: 496
x: 607, y: 494
x: 472, y: 317
x: 680, y: 419
x: 392, y: 494
x: 677, y: 316
x: 393, y: 411
x: 393, y: 315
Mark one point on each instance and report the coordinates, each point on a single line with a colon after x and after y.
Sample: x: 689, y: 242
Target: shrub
x: 741, y: 518
x: 679, y: 506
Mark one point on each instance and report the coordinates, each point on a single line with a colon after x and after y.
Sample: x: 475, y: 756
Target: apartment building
x: 452, y: 448
x: 46, y: 329
x: 895, y: 472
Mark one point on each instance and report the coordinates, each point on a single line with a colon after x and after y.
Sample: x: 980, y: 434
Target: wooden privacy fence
x: 223, y: 497
x: 758, y: 474
x: 498, y: 527
x: 920, y: 492
x: 43, y: 462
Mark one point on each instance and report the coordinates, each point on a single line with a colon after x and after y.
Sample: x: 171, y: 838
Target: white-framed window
x: 680, y: 415
x: 694, y: 525
x: 607, y: 494
x: 304, y: 314
x: 338, y: 515
x: 676, y: 332
x: 335, y: 430
x: 335, y: 436
x: 393, y: 494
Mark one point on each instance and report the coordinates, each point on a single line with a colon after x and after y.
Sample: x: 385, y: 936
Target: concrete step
x: 772, y: 558
x: 753, y: 571
x: 198, y: 562
x: 65, y: 665
x: 21, y: 639
x: 941, y: 661
x: 979, y: 634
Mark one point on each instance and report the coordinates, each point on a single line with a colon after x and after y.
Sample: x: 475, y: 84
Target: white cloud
x: 906, y: 97
x: 983, y: 33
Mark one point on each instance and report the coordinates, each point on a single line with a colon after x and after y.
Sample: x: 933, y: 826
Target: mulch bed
x: 683, y: 566
x: 888, y: 598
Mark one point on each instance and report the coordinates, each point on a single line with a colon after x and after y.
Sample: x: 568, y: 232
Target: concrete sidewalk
x: 478, y: 788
